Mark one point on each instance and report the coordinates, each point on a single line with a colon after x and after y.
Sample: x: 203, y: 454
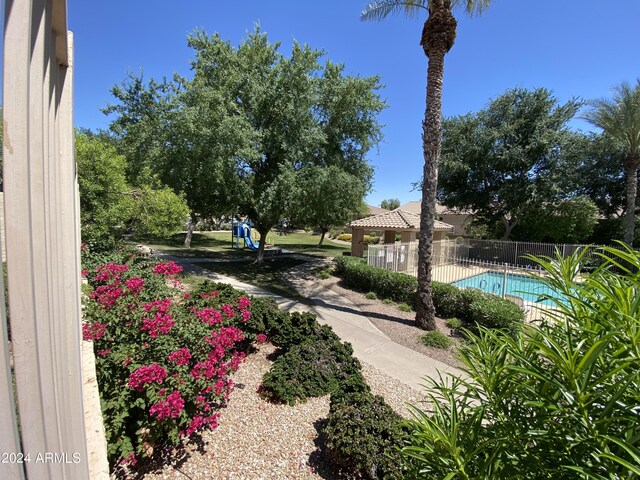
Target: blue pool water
x: 523, y: 286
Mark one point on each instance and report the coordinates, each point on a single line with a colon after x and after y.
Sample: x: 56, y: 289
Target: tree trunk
x: 438, y: 36
x: 190, y: 226
x: 508, y: 227
x: 260, y: 252
x: 324, y: 230
x: 631, y: 177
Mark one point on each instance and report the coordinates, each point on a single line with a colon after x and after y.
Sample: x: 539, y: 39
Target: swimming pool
x: 523, y: 286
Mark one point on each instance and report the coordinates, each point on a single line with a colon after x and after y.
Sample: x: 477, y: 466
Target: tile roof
x: 373, y: 210
x: 416, y: 207
x: 396, y: 219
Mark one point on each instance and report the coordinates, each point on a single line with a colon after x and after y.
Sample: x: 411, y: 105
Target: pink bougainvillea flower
x: 159, y: 324
x: 159, y: 306
x: 93, y: 331
x: 261, y: 338
x: 180, y: 357
x: 228, y: 311
x: 167, y: 268
x: 208, y: 315
x: 243, y: 303
x: 110, y: 271
x: 210, y: 295
x: 146, y: 374
x: 169, y: 407
x: 135, y: 285
x: 104, y: 353
x: 245, y: 315
x: 106, y: 295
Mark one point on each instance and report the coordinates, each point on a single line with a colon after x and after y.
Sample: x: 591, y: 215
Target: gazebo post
x: 357, y: 236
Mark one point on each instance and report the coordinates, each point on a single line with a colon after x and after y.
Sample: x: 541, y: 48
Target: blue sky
x: 574, y: 47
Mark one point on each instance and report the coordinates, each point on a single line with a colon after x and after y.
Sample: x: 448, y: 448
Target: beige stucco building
x: 395, y: 221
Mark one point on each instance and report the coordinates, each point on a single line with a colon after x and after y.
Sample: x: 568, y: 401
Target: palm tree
x: 438, y: 36
x: 619, y: 118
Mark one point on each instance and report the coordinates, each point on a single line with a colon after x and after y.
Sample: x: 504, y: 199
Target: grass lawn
x: 268, y: 276
x: 218, y: 245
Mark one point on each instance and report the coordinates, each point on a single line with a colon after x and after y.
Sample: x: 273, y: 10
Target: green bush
x: 317, y: 366
x: 436, y: 339
x: 447, y: 299
x: 470, y: 306
x: 289, y: 329
x: 404, y: 307
x: 559, y: 401
x: 362, y: 434
x: 490, y: 311
x: 371, y: 296
x: 390, y: 285
x: 370, y: 239
x: 454, y: 323
x: 386, y: 301
x: 345, y: 237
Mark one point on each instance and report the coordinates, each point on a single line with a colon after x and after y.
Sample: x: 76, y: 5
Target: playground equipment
x: 242, y: 230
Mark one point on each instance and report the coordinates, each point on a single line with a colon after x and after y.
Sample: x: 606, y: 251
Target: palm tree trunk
x: 631, y: 174
x: 438, y: 36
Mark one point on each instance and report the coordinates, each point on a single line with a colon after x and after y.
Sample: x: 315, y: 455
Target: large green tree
x: 503, y: 161
x: 438, y: 36
x: 237, y: 137
x: 619, y: 118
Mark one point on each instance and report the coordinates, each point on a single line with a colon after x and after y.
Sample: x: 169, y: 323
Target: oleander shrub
x: 558, y: 401
x: 163, y: 356
x: 436, y: 339
x: 363, y: 434
x: 317, y: 366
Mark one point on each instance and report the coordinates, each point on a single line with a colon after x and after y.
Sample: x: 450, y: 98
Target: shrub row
x: 474, y: 308
x: 471, y: 307
x: 361, y: 432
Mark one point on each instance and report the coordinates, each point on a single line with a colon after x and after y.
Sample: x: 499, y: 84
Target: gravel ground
x: 260, y: 440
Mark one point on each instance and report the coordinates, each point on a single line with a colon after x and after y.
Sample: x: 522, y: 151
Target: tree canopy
x: 111, y: 206
x: 501, y: 162
x: 242, y: 136
x: 390, y: 203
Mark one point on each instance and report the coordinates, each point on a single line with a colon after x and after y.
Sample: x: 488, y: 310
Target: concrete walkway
x: 370, y: 345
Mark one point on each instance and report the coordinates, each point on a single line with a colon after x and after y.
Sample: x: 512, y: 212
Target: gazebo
x: 407, y: 223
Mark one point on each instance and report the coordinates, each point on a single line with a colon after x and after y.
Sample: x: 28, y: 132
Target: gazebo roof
x: 396, y: 220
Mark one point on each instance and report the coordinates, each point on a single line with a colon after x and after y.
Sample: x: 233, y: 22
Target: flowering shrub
x: 163, y: 357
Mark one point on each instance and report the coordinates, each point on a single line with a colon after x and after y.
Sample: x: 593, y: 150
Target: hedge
x: 471, y: 307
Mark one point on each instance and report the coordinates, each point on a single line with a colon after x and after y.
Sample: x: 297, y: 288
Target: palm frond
x: 619, y: 117
x: 473, y: 7
x: 383, y: 8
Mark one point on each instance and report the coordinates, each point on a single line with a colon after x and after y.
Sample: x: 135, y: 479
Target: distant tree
x: 390, y: 203
x: 502, y: 161
x: 567, y: 221
x: 110, y: 206
x: 328, y: 196
x: 619, y: 118
x: 438, y: 36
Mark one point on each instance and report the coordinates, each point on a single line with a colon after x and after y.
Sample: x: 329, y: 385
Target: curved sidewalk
x: 369, y: 344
